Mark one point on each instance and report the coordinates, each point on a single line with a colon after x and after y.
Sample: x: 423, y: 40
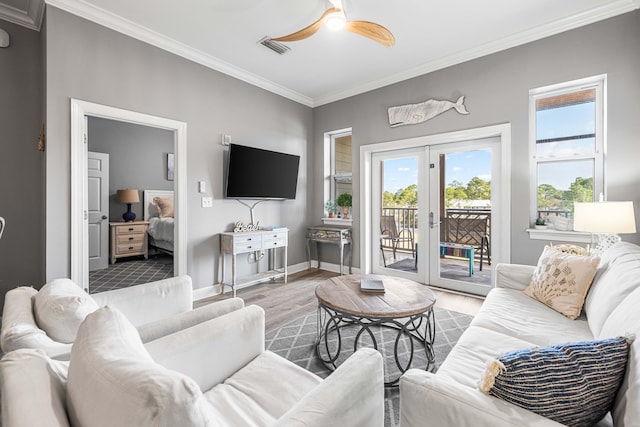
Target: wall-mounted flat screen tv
x: 254, y: 173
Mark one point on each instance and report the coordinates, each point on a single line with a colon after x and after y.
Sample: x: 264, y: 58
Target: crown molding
x: 610, y: 10
x: 30, y: 16
x: 117, y: 23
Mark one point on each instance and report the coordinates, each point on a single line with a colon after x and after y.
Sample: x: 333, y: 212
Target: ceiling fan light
x: 335, y: 21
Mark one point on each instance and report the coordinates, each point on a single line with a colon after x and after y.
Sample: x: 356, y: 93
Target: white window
x: 338, y: 165
x: 567, y: 144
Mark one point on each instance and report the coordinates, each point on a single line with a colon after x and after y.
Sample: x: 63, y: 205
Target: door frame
x: 502, y: 252
x: 79, y: 148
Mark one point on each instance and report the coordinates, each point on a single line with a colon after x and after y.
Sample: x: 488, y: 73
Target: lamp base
x: 129, y: 215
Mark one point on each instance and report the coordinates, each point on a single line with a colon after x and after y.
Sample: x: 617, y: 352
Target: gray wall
x: 21, y: 164
x: 496, y: 89
x: 137, y: 159
x: 91, y: 63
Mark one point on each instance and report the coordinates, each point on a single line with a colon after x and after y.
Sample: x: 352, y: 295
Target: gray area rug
x: 295, y: 341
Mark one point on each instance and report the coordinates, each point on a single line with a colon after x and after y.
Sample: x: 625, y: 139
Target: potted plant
x: 330, y: 206
x: 541, y: 223
x: 344, y: 201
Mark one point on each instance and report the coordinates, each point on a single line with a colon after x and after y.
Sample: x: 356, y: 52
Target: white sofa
x: 156, y: 308
x: 510, y: 320
x: 216, y: 373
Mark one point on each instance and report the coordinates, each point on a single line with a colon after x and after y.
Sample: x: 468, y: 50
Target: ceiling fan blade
x: 306, y: 31
x: 371, y: 30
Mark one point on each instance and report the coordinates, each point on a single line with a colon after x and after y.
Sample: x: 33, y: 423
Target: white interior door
x: 98, y: 209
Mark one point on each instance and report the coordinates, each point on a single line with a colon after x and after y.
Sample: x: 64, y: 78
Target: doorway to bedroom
x: 129, y: 162
x: 126, y: 164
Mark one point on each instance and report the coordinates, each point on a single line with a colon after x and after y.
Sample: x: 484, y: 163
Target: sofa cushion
x: 535, y: 323
x: 561, y: 280
x: 618, y: 275
x: 60, y: 307
x: 113, y: 380
x: 574, y: 384
x: 32, y: 387
x: 625, y: 320
x: 261, y: 392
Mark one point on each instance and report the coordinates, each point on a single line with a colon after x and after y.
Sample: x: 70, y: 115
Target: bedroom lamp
x: 128, y: 197
x: 606, y: 220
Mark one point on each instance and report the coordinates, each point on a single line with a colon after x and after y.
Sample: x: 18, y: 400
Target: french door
x: 431, y: 213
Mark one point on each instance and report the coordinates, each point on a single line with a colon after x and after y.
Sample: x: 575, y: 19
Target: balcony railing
x: 407, y: 219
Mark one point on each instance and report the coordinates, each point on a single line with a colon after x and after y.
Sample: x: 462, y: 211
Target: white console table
x: 253, y: 241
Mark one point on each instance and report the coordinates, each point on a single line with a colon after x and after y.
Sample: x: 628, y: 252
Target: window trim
x: 599, y: 83
x: 329, y: 164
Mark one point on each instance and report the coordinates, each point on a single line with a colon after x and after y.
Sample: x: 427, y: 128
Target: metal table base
x: 418, y: 327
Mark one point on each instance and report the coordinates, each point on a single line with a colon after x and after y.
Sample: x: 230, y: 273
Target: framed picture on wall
x: 170, y: 166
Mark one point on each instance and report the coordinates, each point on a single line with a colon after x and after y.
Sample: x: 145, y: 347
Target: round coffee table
x: 405, y: 306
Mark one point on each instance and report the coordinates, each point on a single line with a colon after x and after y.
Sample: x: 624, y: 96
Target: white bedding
x: 161, y: 229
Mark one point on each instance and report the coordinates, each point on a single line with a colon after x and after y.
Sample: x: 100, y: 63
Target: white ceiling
x: 430, y: 35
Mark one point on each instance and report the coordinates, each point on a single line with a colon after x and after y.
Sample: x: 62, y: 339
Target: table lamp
x: 128, y: 197
x: 606, y: 220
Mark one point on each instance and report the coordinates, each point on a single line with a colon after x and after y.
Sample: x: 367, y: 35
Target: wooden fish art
x: 411, y: 114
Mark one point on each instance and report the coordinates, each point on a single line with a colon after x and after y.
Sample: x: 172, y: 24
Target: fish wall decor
x: 412, y: 114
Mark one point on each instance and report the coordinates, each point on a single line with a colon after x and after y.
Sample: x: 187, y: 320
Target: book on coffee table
x: 372, y: 286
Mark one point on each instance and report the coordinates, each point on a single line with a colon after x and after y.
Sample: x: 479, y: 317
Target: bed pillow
x: 165, y: 206
x: 113, y: 381
x: 574, y: 384
x: 60, y: 307
x: 561, y: 280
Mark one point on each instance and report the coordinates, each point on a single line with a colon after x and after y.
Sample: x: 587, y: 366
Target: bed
x: 158, y: 210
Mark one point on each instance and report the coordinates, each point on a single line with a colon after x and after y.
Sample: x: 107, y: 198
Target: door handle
x: 104, y: 217
x: 432, y: 224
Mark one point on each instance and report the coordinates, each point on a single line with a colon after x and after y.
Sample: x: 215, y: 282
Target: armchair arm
x: 150, y: 301
x: 353, y: 393
x: 428, y: 400
x: 19, y: 327
x: 154, y: 330
x: 232, y: 340
x: 513, y: 276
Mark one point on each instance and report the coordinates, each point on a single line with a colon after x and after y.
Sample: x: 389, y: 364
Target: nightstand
x: 128, y: 239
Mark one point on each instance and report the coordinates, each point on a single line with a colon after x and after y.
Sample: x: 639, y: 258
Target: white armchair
x: 156, y: 309
x: 216, y: 373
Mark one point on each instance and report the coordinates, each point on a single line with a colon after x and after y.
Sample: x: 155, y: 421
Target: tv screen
x: 254, y: 173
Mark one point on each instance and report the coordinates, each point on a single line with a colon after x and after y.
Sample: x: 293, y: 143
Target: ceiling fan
x: 335, y: 19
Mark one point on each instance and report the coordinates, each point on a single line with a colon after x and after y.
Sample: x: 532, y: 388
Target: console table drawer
x: 254, y: 245
x: 247, y: 238
x: 275, y: 243
x: 275, y: 236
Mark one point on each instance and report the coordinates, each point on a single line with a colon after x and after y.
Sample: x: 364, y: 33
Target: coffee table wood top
x: 402, y: 297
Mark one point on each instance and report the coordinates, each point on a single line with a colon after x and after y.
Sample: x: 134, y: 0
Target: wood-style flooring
x: 285, y: 302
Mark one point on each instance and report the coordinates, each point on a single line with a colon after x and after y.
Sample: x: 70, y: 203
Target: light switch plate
x: 207, y: 202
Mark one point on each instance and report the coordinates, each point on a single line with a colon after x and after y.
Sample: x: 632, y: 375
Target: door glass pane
x: 562, y: 183
x: 399, y: 215
x: 465, y: 216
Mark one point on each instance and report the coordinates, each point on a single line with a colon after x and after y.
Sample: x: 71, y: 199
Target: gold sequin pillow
x: 561, y: 280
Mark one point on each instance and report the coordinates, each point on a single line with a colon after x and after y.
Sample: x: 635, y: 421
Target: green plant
x: 330, y: 206
x: 541, y: 221
x: 344, y: 200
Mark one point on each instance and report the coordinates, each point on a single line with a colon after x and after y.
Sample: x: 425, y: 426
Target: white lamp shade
x: 604, y: 217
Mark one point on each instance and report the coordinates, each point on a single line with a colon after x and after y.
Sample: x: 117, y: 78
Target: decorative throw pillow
x: 574, y: 384
x: 165, y: 206
x: 113, y: 381
x: 561, y: 280
x: 60, y: 307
